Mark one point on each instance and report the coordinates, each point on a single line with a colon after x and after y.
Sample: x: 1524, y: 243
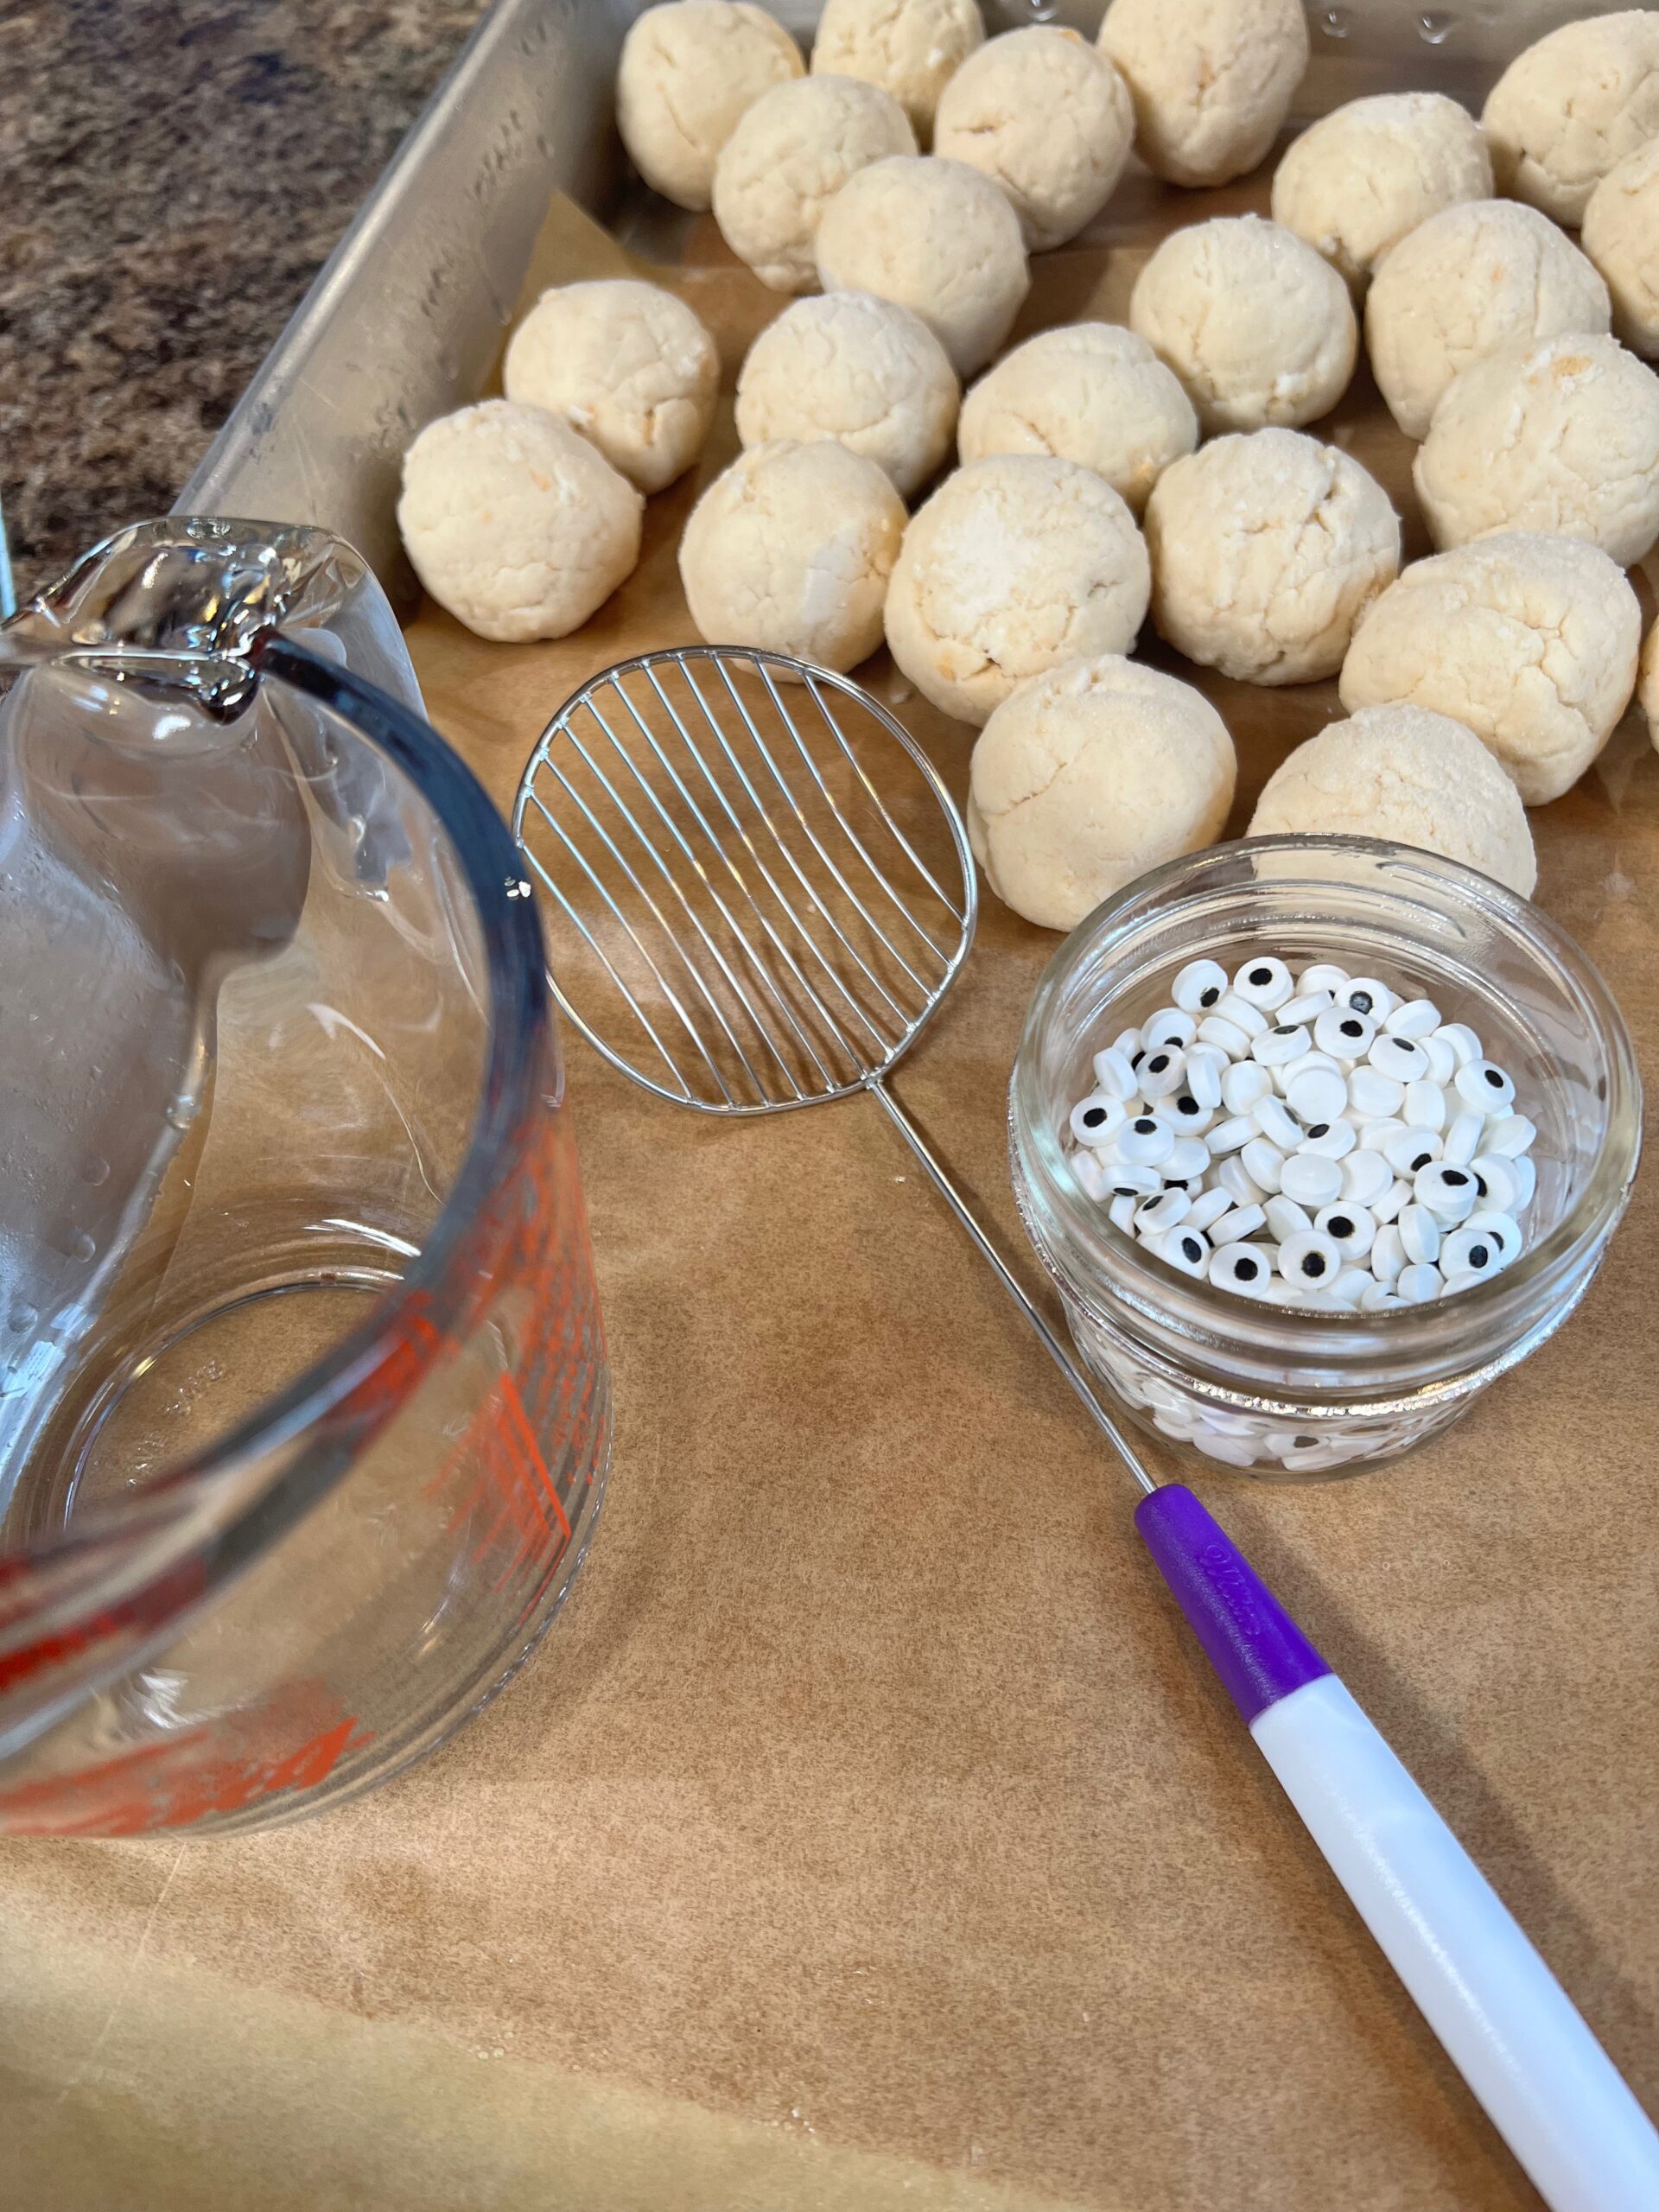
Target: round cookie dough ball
x: 1529, y: 640
x: 688, y: 71
x: 628, y: 366
x: 1091, y: 392
x: 940, y: 239
x: 1015, y: 563
x: 1489, y: 273
x: 1562, y: 436
x: 860, y: 370
x: 1402, y: 772
x: 1357, y: 179
x: 1258, y: 328
x: 1088, y: 776
x: 1621, y: 236
x: 1211, y: 80
x: 513, y: 522
x: 789, y: 154
x: 790, y: 550
x: 1646, y: 687
x: 1569, y: 108
x: 1266, y: 551
x: 1046, y: 117
x: 912, y: 48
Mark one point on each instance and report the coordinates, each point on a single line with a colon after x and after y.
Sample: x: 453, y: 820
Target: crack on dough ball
x: 1211, y: 80
x: 862, y: 371
x: 1572, y: 106
x: 912, y: 48
x: 1266, y: 550
x: 1621, y: 236
x: 1487, y: 274
x: 1259, y: 329
x: 789, y: 154
x: 1047, y: 117
x: 1360, y: 178
x: 1558, y: 436
x: 1403, y: 773
x: 688, y: 69
x: 1092, y: 392
x: 1086, y: 777
x: 628, y: 366
x: 1529, y: 640
x: 940, y: 239
x: 512, y: 522
x: 790, y: 551
x: 1015, y: 563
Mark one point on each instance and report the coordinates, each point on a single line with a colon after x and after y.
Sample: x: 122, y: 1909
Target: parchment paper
x: 869, y: 1832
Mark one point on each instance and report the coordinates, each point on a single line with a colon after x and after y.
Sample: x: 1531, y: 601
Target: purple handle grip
x: 1253, y: 1644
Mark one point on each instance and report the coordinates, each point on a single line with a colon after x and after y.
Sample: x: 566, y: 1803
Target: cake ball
x: 1015, y: 563
x: 1527, y: 640
x: 940, y: 239
x: 627, y: 365
x: 910, y: 47
x: 1256, y: 326
x: 790, y: 550
x: 1092, y: 392
x: 1570, y: 107
x: 1047, y: 117
x: 1211, y: 80
x: 1647, y: 686
x: 862, y: 371
x: 1089, y: 775
x: 1357, y: 179
x: 688, y: 71
x: 517, y: 526
x: 1404, y: 773
x: 789, y: 154
x: 1621, y: 236
x: 1562, y: 435
x: 1471, y: 279
x: 1266, y: 551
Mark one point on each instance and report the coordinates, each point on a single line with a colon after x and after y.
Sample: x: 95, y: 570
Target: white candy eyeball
x: 1186, y: 1249
x: 1465, y: 1046
x: 1420, y: 1235
x: 1526, y: 1182
x: 1387, y: 1253
x: 1307, y: 1006
x: 1392, y: 1202
x: 1203, y: 1082
x: 1243, y: 1014
x: 1184, y: 1111
x: 1366, y: 995
x: 1242, y: 1084
x: 1097, y: 1119
x: 1498, y: 1183
x: 1310, y: 1261
x: 1216, y: 1029
x: 1316, y: 1094
x: 1242, y: 1222
x: 1344, y: 1033
x: 1323, y: 975
x: 1286, y: 1218
x: 1418, y: 1284
x: 1417, y: 1018
x: 1312, y: 1179
x: 1230, y: 1135
x: 1365, y: 1177
x: 1145, y: 1141
x: 1335, y: 1140
x: 1374, y: 1135
x: 1351, y: 1284
x: 1168, y: 1210
x: 1408, y: 1151
x: 1265, y: 983
x: 1464, y: 1139
x: 1399, y: 1057
x: 1501, y: 1230
x: 1350, y: 1228
x: 1130, y: 1180
x: 1091, y: 1174
x: 1121, y: 1212
x: 1237, y: 1181
x: 1273, y: 1117
x: 1378, y: 1299
x: 1424, y: 1106
x: 1126, y: 1041
x: 1162, y: 1072
x: 1114, y: 1073
x: 1373, y: 1093
x: 1169, y: 1025
x: 1449, y: 1193
x: 1276, y: 1048
x: 1509, y: 1136
x: 1199, y: 986
x: 1455, y: 1284
x: 1208, y: 1207
x: 1240, y: 1266
x: 1442, y: 1061
x: 1470, y: 1251
x: 1486, y: 1088
x: 1262, y: 1162
x: 1189, y: 1158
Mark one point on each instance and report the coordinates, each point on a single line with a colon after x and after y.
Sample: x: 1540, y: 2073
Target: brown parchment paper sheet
x: 870, y: 1832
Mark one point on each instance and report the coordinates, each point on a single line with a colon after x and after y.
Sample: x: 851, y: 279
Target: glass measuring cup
x: 303, y: 1402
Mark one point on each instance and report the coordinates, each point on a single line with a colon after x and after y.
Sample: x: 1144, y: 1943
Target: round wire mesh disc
x: 757, y: 887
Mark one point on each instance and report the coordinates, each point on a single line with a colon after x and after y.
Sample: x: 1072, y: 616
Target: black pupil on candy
x: 1285, y: 1029
x: 1421, y: 1161
x: 1455, y: 1176
x: 1123, y: 1190
x: 1245, y: 1270
x: 1194, y: 1250
x: 1480, y: 1185
x: 1136, y: 1061
x: 1320, y: 1129
x: 1497, y: 1240
x: 1146, y: 1127
x: 1187, y: 1104
x: 1313, y: 1263
x: 1158, y: 1064
x: 1094, y: 1118
x: 1362, y: 1003
x: 1208, y: 997
x: 1341, y: 1226
x: 1353, y: 1028
x: 1260, y: 977
x: 1494, y: 1078
x: 1478, y: 1256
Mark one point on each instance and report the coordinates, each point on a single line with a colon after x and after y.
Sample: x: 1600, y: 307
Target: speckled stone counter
x: 177, y: 171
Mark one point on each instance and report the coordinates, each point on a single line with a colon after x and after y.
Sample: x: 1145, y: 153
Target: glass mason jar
x: 1282, y: 1392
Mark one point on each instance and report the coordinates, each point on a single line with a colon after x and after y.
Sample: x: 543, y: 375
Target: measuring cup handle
x: 1546, y: 2083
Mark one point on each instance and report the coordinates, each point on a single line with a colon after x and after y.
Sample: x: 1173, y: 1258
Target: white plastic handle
x: 1549, y: 2089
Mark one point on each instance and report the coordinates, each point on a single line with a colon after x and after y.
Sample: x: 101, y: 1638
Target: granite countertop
x: 177, y: 172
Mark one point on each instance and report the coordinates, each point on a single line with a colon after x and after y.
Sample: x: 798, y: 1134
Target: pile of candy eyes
x: 1311, y: 1140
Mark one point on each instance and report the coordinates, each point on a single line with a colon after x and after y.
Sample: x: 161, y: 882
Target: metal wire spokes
x: 757, y: 887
